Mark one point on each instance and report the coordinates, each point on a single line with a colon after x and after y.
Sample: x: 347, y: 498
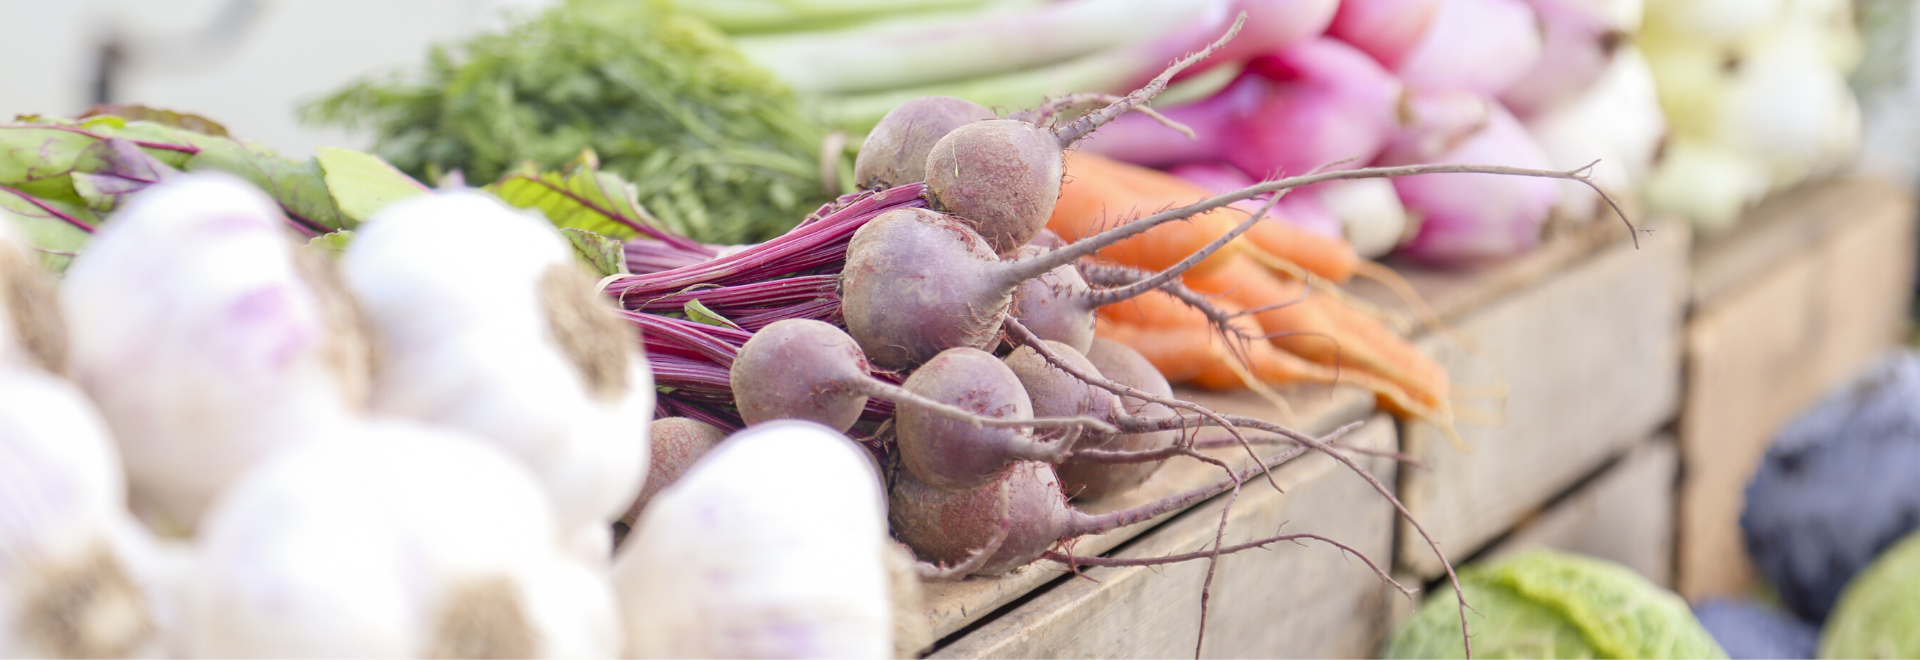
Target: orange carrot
x: 1325, y: 331
x: 1100, y: 193
x: 1195, y: 355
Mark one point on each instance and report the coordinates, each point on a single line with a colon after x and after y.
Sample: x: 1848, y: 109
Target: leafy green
x: 109, y: 170
x: 715, y: 147
x: 40, y: 224
x: 699, y: 313
x: 299, y: 186
x: 1878, y: 615
x: 332, y: 244
x: 606, y: 256
x: 168, y: 118
x: 580, y: 197
x: 361, y: 184
x: 1546, y: 604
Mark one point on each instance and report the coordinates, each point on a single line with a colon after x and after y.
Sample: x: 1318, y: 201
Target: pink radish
x: 1480, y: 46
x: 1385, y: 29
x: 1466, y: 218
x: 1578, y: 44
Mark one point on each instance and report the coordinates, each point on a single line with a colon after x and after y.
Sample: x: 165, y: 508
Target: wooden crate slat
x: 1625, y: 514
x: 1590, y: 358
x: 1760, y: 351
x: 1289, y: 601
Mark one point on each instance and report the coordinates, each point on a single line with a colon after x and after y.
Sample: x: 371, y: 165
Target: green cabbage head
x: 1878, y: 615
x: 1547, y: 604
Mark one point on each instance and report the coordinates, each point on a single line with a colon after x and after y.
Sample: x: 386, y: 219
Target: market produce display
x: 715, y: 329
x: 1548, y: 604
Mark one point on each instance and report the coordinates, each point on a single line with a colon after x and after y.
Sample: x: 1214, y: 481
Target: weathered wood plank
x: 1288, y: 601
x: 1590, y: 361
x: 953, y: 605
x: 1760, y: 351
x: 1625, y: 514
x: 1781, y: 228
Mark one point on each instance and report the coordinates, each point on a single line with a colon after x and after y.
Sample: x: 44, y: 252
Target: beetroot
x: 1085, y: 480
x: 895, y: 152
x: 950, y: 453
x: 800, y: 369
x: 1054, y: 305
x: 1002, y: 176
x: 676, y: 443
x: 947, y: 526
x: 809, y: 370
x: 1057, y: 393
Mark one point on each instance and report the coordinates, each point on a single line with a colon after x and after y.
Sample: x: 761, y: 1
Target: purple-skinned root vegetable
x: 809, y: 370
x: 948, y: 526
x: 895, y: 152
x: 1055, y: 305
x: 675, y: 443
x: 1057, y: 393
x: 951, y: 454
x: 1002, y: 176
x: 1087, y: 480
x: 771, y: 546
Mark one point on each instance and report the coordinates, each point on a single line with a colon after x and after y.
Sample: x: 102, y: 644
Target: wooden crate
x: 1584, y: 337
x: 1624, y: 514
x: 1288, y: 601
x: 955, y: 605
x: 1802, y: 295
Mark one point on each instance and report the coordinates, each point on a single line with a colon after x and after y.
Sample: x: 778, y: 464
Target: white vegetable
x: 1717, y: 21
x: 771, y: 546
x: 1370, y: 213
x: 1789, y: 106
x: 1706, y: 183
x: 76, y: 572
x: 486, y: 323
x: 1617, y: 122
x: 393, y: 541
x: 207, y: 343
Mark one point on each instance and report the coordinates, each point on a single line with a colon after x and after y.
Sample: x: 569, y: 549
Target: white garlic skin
x: 205, y: 347
x: 393, y: 540
x: 77, y: 574
x: 769, y: 546
x: 456, y: 288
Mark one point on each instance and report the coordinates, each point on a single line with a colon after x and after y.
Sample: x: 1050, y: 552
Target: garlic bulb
x: 773, y: 545
x: 392, y: 540
x: 485, y: 322
x: 32, y: 331
x: 207, y: 340
x: 76, y: 572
